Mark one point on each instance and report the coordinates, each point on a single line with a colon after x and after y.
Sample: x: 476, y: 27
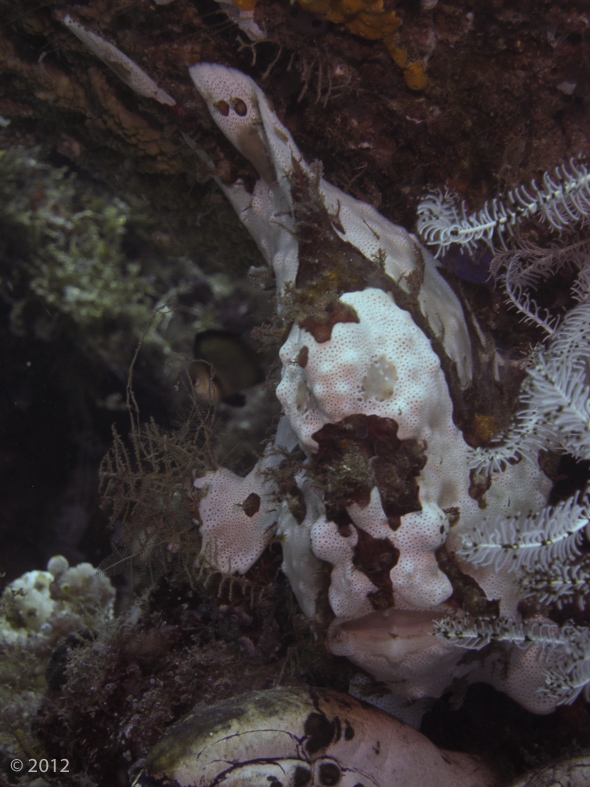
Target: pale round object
x: 302, y: 738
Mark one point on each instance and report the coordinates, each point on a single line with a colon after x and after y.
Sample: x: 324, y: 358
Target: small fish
x: 224, y: 366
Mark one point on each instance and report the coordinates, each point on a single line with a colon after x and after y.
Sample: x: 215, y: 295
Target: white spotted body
x: 373, y: 384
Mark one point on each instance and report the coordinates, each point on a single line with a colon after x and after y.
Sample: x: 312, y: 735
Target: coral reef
x: 506, y: 101
x: 72, y: 268
x: 86, y: 276
x: 37, y: 611
x: 176, y: 646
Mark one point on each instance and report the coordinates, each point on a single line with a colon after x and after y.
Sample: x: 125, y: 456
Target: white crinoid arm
x: 558, y: 583
x: 557, y: 386
x: 562, y: 200
x: 526, y: 540
x: 555, y: 399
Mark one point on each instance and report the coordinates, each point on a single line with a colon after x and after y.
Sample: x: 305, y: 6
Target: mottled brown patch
x: 223, y: 107
x: 467, y: 594
x: 319, y: 731
x: 375, y: 557
x: 396, y: 465
x: 303, y: 356
x: 321, y: 323
x: 341, y: 466
x: 361, y: 452
x: 354, y: 456
x: 453, y: 514
x: 296, y: 505
x: 479, y: 483
x: 329, y: 774
x: 251, y: 504
x: 240, y: 107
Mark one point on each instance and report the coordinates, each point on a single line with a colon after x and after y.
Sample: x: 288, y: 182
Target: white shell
x: 573, y: 772
x: 302, y: 738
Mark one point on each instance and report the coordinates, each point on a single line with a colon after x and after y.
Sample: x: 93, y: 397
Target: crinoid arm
x: 554, y: 534
x: 562, y: 200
